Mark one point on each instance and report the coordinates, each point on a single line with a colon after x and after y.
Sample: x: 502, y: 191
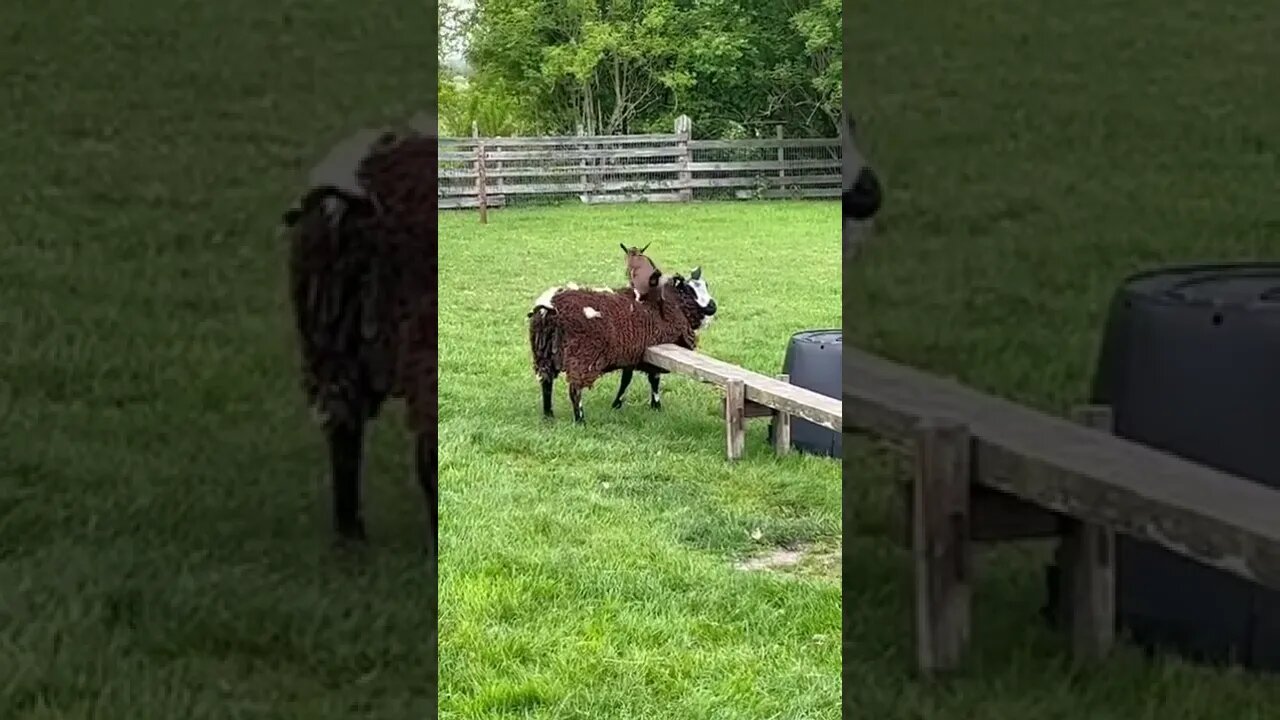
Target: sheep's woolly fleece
x: 602, y: 329
x: 362, y: 272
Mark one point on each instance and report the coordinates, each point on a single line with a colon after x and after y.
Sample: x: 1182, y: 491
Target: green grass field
x: 589, y: 571
x: 1036, y: 153
x: 164, y: 539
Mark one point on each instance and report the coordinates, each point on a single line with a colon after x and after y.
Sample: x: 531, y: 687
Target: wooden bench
x: 991, y: 470
x: 750, y: 394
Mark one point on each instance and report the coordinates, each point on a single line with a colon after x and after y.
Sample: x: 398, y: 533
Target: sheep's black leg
x: 655, y: 395
x: 546, y: 397
x: 622, y: 388
x: 575, y: 399
x: 429, y: 477
x: 346, y: 451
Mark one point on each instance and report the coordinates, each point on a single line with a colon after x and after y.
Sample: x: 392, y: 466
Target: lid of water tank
x: 1243, y: 284
x: 824, y: 337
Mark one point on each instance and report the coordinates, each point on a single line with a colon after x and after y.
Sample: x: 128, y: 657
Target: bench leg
x: 735, y: 419
x: 782, y: 426
x: 940, y: 545
x: 1087, y: 559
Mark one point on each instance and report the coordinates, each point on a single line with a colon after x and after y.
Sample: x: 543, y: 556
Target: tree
x: 617, y: 66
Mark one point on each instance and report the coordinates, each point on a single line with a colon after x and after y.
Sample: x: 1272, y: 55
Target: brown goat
x: 362, y: 272
x: 642, y: 274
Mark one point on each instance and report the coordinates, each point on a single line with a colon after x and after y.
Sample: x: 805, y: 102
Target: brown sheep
x: 588, y: 333
x: 362, y: 272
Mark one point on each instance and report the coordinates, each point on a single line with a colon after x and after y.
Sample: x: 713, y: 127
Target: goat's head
x: 639, y: 265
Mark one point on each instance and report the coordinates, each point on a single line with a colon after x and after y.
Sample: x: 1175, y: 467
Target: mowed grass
x: 588, y: 571
x: 1034, y: 154
x: 164, y: 532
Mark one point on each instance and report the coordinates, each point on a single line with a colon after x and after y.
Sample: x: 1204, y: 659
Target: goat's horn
x: 646, y: 247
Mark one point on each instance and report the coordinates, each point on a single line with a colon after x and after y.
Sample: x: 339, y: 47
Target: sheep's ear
x: 697, y: 273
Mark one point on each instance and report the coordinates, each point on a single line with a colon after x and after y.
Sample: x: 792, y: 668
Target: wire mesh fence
x: 480, y: 172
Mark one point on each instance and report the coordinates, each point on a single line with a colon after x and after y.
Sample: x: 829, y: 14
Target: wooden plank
x: 577, y: 171
x: 569, y: 154
x: 799, y: 193
x: 796, y: 401
x: 457, y: 203
x: 735, y: 422
x: 542, y: 140
x: 764, y: 165
x: 940, y: 545
x: 1213, y: 517
x: 573, y: 184
x: 1087, y: 563
x: 782, y: 426
x: 764, y: 143
x: 574, y: 153
x: 632, y: 198
x: 571, y: 171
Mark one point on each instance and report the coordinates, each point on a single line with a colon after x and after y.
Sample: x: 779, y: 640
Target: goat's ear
x: 697, y: 273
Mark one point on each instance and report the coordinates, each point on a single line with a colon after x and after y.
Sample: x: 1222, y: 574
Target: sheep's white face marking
x: 700, y: 292
x: 591, y: 313
x: 544, y: 300
x: 702, y: 296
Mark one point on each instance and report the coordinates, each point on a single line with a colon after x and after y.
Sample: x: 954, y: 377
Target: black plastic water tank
x: 1190, y: 364
x: 813, y: 361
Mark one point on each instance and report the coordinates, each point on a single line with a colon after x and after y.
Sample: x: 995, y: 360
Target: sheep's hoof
x: 655, y: 405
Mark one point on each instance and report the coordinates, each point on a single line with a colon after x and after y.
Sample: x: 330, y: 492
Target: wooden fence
x: 494, y: 172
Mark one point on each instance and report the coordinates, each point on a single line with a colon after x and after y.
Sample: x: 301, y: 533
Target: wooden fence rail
x: 1022, y: 474
x: 481, y: 172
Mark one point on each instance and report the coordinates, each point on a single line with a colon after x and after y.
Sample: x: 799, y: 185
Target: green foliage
x: 611, y: 66
x: 490, y: 107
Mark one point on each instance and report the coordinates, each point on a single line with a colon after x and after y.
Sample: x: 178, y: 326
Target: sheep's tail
x: 340, y: 283
x: 546, y: 343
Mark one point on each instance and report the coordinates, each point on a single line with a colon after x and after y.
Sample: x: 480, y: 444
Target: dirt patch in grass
x: 810, y: 559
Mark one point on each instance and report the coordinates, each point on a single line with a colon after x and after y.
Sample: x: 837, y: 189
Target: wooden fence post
x: 585, y: 195
x: 940, y: 545
x: 482, y: 200
x: 782, y: 153
x: 684, y: 130
x: 1086, y: 557
x: 735, y: 419
x: 782, y: 426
